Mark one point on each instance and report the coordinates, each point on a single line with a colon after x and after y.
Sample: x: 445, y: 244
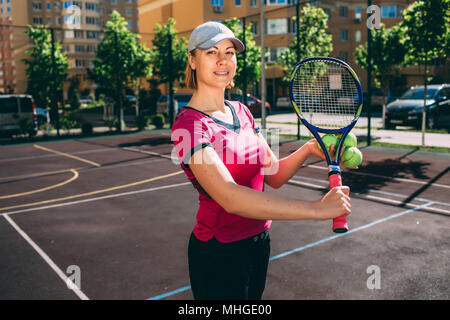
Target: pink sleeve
x: 189, y: 135
x: 250, y: 116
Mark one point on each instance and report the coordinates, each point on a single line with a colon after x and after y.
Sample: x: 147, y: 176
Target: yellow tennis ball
x: 328, y: 141
x: 350, y: 140
x: 352, y: 157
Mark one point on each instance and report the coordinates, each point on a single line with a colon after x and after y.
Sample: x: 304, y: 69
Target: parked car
x: 162, y: 105
x: 253, y: 103
x: 14, y: 108
x: 283, y: 102
x: 407, y: 110
x: 85, y: 101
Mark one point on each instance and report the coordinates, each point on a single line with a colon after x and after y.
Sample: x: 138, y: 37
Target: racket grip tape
x: 339, y: 223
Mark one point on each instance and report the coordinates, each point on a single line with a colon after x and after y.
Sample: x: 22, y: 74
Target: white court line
x: 47, y: 259
x: 96, y: 198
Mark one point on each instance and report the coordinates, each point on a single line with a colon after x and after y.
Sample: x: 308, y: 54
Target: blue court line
x: 162, y: 296
x: 284, y: 254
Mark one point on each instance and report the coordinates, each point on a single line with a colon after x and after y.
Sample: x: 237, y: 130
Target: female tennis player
x: 228, y: 161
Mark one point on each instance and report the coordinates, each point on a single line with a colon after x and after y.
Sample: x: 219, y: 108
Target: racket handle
x: 339, y: 223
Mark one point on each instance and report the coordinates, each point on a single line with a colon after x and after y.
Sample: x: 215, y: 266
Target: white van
x: 13, y: 108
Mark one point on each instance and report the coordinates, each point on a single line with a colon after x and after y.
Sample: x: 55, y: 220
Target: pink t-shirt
x: 242, y: 152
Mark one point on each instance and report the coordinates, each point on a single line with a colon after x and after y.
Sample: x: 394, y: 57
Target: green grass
x: 406, y: 146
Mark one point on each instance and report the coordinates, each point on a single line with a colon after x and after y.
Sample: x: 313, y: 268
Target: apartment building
x: 346, y: 24
x: 78, y: 26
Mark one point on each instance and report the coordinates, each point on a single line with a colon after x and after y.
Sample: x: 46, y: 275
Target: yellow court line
x: 67, y: 155
x: 41, y: 174
x: 93, y: 192
x: 75, y: 176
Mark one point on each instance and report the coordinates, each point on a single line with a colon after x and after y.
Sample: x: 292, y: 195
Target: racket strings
x: 326, y: 94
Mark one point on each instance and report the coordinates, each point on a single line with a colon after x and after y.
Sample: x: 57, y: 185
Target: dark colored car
x: 15, y: 108
x: 407, y: 110
x: 253, y: 103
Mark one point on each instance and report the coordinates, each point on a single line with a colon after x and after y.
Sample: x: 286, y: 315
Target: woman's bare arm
x: 215, y: 178
x: 278, y: 172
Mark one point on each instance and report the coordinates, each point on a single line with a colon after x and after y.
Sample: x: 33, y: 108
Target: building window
x: 237, y: 3
x: 217, y: 3
x: 343, y: 11
x: 343, y: 35
x: 358, y: 35
x: 92, y: 21
x: 255, y: 28
x: 275, y: 2
x: 254, y: 3
x: 358, y: 14
x: 37, y: 6
x: 91, y: 6
x: 91, y: 48
x: 277, y: 26
x: 92, y: 35
x: 79, y: 48
x: 79, y: 63
x: 78, y: 34
x: 391, y: 11
x: 37, y: 20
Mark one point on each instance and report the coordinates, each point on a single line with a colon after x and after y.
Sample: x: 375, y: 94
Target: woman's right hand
x: 334, y: 204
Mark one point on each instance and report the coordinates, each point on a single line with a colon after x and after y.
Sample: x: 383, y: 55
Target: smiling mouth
x: 224, y: 73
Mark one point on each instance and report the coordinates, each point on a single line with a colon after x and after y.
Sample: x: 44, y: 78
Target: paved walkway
x: 286, y: 124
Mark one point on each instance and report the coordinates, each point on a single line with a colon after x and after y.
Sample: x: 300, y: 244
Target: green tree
x: 389, y: 48
x: 45, y: 73
x: 314, y: 40
x: 252, y: 55
x: 121, y: 60
x: 169, y: 58
x: 167, y: 37
x: 426, y: 27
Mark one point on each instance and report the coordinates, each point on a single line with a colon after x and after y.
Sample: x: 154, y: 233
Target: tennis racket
x: 327, y: 97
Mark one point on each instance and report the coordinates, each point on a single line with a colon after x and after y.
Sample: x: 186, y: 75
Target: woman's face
x: 216, y: 66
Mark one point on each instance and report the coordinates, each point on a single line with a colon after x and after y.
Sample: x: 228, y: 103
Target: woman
x: 228, y: 161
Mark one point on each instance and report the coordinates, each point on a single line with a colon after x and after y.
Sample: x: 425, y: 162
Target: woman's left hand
x: 313, y: 149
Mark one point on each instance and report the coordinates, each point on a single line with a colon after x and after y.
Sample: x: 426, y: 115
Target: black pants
x: 229, y: 271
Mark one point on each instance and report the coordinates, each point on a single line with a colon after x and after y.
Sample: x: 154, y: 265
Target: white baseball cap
x: 209, y: 34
